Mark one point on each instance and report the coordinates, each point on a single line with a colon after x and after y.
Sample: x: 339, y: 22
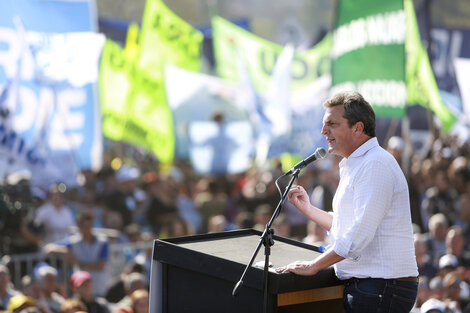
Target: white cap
x: 432, y: 304
x: 448, y: 260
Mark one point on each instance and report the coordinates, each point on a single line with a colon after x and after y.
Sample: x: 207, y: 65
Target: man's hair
x: 356, y: 109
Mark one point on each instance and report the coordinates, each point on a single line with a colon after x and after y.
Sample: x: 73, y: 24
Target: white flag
x: 68, y: 57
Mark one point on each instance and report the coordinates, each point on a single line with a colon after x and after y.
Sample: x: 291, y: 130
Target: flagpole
x: 427, y: 29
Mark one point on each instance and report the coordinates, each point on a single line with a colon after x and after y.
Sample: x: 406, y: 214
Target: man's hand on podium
x: 304, y: 268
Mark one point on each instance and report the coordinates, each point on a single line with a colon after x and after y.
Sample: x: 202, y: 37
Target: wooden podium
x: 198, y: 274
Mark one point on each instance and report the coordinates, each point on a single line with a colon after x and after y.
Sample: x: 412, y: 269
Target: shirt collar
x: 366, y: 146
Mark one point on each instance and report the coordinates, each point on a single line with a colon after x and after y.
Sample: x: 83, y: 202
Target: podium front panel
x: 198, y: 273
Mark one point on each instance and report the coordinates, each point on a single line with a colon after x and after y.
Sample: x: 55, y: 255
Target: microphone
x: 320, y: 153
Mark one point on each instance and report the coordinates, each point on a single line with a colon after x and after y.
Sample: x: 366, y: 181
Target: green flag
x: 132, y: 87
x: 134, y: 106
x: 421, y: 84
x: 232, y: 42
x: 368, y: 53
x: 166, y: 38
x: 114, y: 85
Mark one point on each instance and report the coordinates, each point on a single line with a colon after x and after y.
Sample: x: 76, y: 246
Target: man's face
x: 337, y: 132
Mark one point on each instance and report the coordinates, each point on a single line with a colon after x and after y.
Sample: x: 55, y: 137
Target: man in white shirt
x: 372, y: 246
x: 56, y: 216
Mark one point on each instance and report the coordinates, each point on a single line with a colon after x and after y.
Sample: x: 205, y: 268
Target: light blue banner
x: 55, y: 119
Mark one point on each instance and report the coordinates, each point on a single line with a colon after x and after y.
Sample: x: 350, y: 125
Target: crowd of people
x: 139, y: 201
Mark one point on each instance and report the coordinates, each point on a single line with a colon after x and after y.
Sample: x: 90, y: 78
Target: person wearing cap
x: 82, y: 287
x: 447, y: 263
x: 433, y: 306
x: 372, y: 235
x: 20, y: 302
x: 50, y: 298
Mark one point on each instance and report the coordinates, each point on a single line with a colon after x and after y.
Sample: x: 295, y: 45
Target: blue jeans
x: 374, y: 295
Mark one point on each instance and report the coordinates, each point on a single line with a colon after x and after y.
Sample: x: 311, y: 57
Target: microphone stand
x: 267, y: 240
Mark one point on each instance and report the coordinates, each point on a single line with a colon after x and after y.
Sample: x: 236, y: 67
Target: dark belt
x: 411, y: 279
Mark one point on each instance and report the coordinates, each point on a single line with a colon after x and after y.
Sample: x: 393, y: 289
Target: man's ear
x: 359, y: 127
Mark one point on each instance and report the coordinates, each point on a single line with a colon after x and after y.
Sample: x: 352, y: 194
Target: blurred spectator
x: 127, y: 178
x: 121, y: 202
x: 244, y: 220
x: 139, y: 302
x: 424, y: 293
x: 82, y: 287
x: 436, y: 284
x: 438, y: 226
x: 144, y: 258
x: 441, y: 198
x: 282, y: 227
x: 416, y: 186
x: 132, y: 282
x: 117, y: 290
x: 20, y: 231
x: 50, y: 298
x: 296, y: 219
x: 455, y: 242
x: 187, y: 209
x: 395, y: 146
x: 20, y: 302
x: 73, y: 305
x: 6, y: 287
x: 31, y: 287
x: 316, y: 235
x: 211, y: 201
x: 465, y: 218
x: 426, y: 267
x: 433, y: 306
x: 262, y: 216
x: 217, y: 223
x: 447, y: 263
x: 459, y: 174
x: 90, y: 252
x: 452, y: 284
x: 178, y: 227
x: 161, y: 208
x: 328, y: 179
x: 55, y: 215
